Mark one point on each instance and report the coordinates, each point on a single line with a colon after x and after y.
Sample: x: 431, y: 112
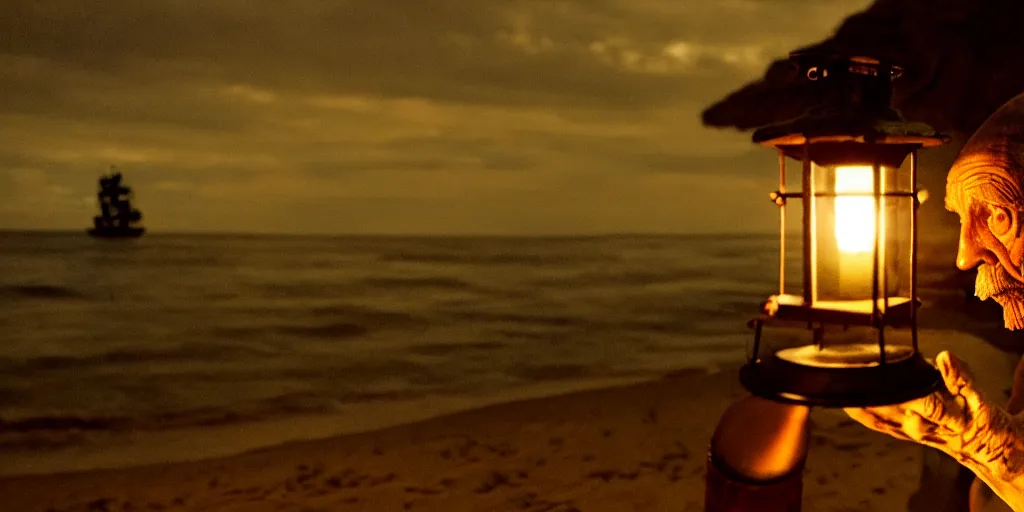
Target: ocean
x: 120, y: 352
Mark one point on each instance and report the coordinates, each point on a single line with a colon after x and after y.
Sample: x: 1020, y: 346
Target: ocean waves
x: 172, y: 333
x: 38, y: 291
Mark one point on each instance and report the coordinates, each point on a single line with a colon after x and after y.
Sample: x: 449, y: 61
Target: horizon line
x: 609, y: 234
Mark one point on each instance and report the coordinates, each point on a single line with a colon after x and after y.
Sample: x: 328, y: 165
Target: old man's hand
x: 946, y: 419
x: 961, y: 423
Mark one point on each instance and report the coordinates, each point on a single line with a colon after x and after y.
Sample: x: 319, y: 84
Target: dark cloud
x: 520, y: 53
x: 745, y: 163
x: 474, y: 115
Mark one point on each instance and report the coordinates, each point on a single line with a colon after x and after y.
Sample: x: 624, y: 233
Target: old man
x: 985, y: 187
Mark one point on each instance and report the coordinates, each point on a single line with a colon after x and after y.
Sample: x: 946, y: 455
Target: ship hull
x: 116, y: 233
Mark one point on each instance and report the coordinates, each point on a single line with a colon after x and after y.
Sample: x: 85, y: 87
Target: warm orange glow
x: 855, y: 216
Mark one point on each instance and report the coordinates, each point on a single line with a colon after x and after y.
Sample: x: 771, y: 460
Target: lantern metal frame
x: 853, y: 124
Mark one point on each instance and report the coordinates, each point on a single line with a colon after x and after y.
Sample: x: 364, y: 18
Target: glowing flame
x: 855, y: 216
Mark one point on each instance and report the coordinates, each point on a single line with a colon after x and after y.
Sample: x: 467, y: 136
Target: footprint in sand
x: 426, y: 491
x: 498, y: 479
x: 531, y: 503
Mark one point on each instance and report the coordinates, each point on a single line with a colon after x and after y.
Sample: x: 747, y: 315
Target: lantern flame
x: 855, y: 216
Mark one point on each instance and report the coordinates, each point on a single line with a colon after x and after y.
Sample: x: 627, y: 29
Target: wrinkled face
x: 990, y: 227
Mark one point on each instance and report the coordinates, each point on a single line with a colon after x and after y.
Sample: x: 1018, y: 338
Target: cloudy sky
x: 392, y: 116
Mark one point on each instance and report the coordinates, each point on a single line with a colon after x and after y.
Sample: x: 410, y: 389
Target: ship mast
x: 116, y: 211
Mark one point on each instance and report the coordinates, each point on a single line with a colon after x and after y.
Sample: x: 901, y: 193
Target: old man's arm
x: 960, y: 422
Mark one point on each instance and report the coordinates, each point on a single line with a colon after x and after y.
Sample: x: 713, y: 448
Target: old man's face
x: 983, y: 188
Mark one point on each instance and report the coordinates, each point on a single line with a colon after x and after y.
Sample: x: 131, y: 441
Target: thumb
x: 958, y: 379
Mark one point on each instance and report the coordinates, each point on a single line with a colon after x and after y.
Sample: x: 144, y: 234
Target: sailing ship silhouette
x: 117, y: 218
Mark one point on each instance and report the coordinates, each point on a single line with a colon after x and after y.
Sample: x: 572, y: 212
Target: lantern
x: 847, y: 337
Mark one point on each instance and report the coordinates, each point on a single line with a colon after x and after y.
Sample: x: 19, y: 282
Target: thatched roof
x: 963, y: 59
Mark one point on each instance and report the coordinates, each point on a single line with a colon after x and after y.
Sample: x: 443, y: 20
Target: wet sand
x: 633, y: 448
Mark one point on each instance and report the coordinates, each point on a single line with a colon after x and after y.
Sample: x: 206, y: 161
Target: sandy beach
x: 638, y: 447
x: 631, y: 448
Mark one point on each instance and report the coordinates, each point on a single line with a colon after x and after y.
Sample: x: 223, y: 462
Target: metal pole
x: 810, y: 287
x: 913, y: 249
x: 782, y: 223
x: 875, y: 318
x: 883, y: 251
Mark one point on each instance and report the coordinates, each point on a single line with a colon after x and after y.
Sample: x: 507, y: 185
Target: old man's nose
x: 967, y: 258
x: 970, y: 253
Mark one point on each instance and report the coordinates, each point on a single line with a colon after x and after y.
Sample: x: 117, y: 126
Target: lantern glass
x: 845, y: 212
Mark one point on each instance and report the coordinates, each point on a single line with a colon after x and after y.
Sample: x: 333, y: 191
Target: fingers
x: 958, y: 379
x: 880, y: 419
x: 916, y: 427
x: 928, y: 420
x: 903, y: 424
x: 940, y: 409
x: 921, y: 430
x: 937, y: 419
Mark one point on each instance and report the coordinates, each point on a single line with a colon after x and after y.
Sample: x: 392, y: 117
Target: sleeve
x: 726, y: 491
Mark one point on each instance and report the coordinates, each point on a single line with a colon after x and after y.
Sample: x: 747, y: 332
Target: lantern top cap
x: 823, y: 62
x: 854, y: 94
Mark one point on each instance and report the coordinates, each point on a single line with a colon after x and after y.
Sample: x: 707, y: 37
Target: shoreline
x: 639, y: 446
x: 127, y: 450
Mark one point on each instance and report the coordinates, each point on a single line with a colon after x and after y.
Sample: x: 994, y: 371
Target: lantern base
x: 832, y: 385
